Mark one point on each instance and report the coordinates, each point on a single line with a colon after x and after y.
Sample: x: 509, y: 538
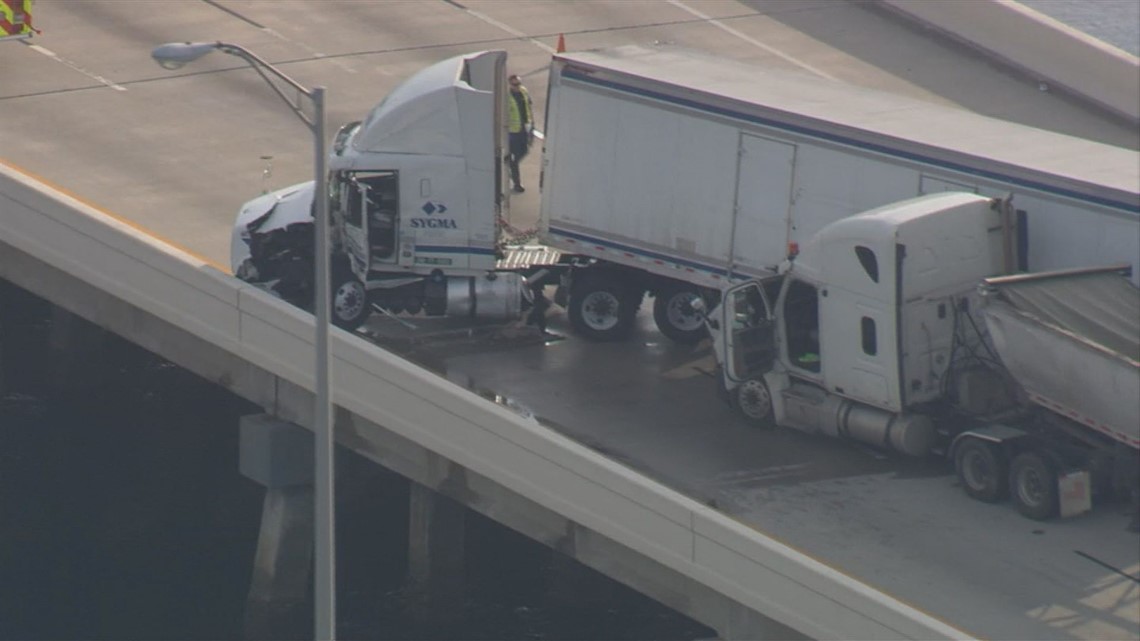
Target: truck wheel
x: 601, y: 311
x: 754, y: 402
x: 675, y: 317
x: 1033, y: 484
x: 981, y: 470
x: 349, y: 300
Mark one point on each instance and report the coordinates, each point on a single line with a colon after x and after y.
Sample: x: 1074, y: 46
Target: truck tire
x: 754, y: 402
x: 349, y: 307
x: 1033, y: 484
x: 602, y: 307
x: 675, y: 317
x: 981, y: 468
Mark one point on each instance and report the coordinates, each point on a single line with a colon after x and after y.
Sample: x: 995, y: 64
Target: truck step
x: 804, y: 394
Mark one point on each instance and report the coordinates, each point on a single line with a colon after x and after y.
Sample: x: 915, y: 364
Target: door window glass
x: 801, y: 320
x: 869, y: 262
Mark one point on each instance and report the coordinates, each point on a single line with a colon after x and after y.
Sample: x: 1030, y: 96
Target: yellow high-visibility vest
x: 514, y: 118
x: 15, y: 18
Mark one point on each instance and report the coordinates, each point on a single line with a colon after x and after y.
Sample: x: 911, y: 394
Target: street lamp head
x: 173, y: 55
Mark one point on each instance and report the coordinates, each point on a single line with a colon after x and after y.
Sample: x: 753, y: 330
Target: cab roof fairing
x: 880, y: 228
x: 433, y: 113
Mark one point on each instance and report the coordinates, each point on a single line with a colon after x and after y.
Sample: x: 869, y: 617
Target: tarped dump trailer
x: 1069, y: 342
x: 1072, y: 342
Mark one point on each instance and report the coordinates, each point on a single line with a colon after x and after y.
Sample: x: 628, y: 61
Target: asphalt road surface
x: 176, y: 153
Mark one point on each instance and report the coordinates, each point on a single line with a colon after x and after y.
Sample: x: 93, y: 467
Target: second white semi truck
x: 897, y: 328
x: 664, y: 172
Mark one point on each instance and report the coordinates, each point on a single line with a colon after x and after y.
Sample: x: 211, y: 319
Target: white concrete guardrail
x: 518, y: 453
x: 1046, y: 49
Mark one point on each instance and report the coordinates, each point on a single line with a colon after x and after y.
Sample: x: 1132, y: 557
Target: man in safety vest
x: 15, y: 19
x: 520, y: 124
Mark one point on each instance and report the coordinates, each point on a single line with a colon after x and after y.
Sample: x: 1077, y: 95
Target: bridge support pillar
x: 73, y: 345
x: 570, y: 583
x: 279, y: 455
x: 7, y: 325
x: 436, y: 563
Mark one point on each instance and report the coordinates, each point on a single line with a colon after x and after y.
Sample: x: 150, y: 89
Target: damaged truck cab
x: 854, y: 336
x: 415, y: 196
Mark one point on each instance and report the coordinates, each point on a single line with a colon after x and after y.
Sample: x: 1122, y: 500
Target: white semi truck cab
x: 415, y: 199
x: 854, y: 336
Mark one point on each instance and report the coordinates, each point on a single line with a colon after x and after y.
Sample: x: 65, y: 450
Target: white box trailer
x: 675, y: 173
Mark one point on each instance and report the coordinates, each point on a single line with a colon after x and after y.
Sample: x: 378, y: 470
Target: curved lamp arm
x: 173, y: 55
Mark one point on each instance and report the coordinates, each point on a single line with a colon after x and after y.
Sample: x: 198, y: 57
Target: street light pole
x: 323, y: 516
x: 172, y: 56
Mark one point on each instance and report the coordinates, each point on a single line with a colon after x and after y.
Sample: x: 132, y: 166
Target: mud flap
x: 1074, y: 493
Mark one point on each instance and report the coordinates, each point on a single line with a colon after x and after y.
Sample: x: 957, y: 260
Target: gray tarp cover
x: 1103, y: 307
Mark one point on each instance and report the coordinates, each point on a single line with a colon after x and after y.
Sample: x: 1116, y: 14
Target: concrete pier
x: 74, y: 344
x: 570, y: 584
x: 279, y: 456
x: 7, y: 304
x: 436, y: 553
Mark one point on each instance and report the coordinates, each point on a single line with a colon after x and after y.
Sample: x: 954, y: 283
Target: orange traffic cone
x: 561, y: 44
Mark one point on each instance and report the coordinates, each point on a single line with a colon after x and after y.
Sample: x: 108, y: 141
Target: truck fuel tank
x: 493, y: 296
x: 813, y: 410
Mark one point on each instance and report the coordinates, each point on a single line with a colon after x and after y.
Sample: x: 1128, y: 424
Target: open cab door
x: 749, y: 332
x: 746, y: 348
x: 369, y: 204
x: 348, y: 203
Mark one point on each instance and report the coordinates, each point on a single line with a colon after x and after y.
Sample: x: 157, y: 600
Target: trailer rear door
x: 761, y: 226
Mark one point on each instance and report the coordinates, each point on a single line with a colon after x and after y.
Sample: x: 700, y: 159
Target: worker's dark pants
x: 519, y: 146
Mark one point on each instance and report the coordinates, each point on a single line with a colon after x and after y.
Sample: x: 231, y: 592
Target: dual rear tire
x: 675, y: 315
x: 986, y: 474
x: 604, y: 304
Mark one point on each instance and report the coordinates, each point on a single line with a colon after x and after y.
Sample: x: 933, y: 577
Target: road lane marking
x: 750, y: 40
x: 317, y: 55
x: 257, y: 25
x: 51, y: 54
x: 509, y: 29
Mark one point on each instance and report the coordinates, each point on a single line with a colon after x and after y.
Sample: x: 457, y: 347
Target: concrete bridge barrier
x: 1046, y: 49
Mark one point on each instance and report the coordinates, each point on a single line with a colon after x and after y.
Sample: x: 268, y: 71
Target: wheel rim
x: 680, y: 313
x: 976, y: 470
x: 754, y: 399
x: 1030, y: 486
x: 600, y: 310
x: 348, y: 300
